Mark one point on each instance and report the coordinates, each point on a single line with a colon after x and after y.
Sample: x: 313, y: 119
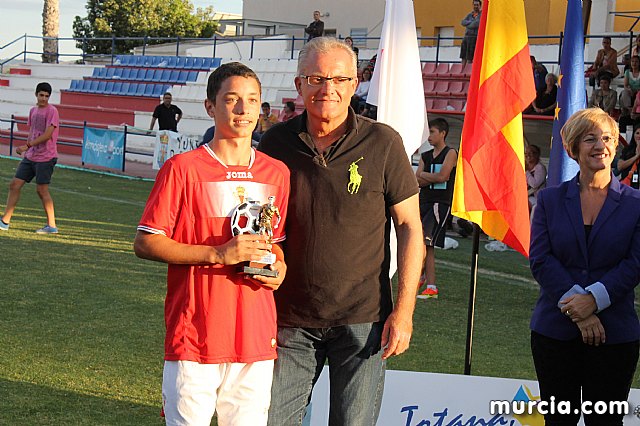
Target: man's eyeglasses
x: 316, y: 80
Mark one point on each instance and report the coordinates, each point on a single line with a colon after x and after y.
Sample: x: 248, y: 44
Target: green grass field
x: 81, y: 318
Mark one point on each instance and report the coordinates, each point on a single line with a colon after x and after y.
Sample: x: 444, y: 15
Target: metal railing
x: 20, y: 46
x: 14, y: 136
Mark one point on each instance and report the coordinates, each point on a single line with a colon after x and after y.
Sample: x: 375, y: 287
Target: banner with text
x: 102, y: 147
x: 423, y: 399
x: 170, y: 143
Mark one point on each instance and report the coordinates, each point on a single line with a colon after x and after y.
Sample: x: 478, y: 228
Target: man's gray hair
x: 325, y: 45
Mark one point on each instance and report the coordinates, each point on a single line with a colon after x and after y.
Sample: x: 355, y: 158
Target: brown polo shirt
x: 338, y: 221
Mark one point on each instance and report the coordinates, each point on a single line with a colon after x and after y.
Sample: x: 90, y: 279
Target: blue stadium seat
x: 216, y: 62
x: 118, y: 60
x: 148, y: 90
x: 147, y: 61
x: 110, y: 72
x: 107, y: 90
x: 123, y: 74
x: 180, y: 60
x: 192, y: 75
x: 142, y: 73
x: 141, y: 88
x: 173, y: 62
x: 165, y: 76
x: 182, y: 78
x: 124, y: 89
x: 80, y: 86
x: 94, y: 85
x: 174, y: 76
x: 198, y: 64
x: 116, y: 89
x: 207, y: 63
x: 133, y: 74
x: 138, y: 61
x: 96, y: 72
x: 74, y: 86
x: 189, y: 62
x: 149, y: 75
x: 158, y: 90
x: 102, y: 85
x: 157, y: 75
x: 125, y: 60
x: 133, y: 89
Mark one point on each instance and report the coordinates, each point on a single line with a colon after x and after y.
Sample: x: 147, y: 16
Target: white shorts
x: 239, y: 393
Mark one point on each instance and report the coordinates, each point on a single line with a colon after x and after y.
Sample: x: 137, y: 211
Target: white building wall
x: 342, y: 15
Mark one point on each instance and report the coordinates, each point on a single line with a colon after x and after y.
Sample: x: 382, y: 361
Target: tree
x: 50, y: 30
x: 139, y: 18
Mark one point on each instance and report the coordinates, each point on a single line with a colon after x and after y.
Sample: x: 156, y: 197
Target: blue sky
x: 25, y: 16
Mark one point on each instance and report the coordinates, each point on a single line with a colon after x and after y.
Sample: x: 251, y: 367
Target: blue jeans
x: 356, y: 373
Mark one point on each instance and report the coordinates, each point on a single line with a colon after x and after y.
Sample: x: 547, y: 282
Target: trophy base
x: 252, y: 270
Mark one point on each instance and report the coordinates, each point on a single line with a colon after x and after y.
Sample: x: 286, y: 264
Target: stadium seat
x: 429, y: 103
x: 456, y: 71
x: 74, y: 86
x: 192, y: 75
x: 456, y: 104
x: 148, y: 76
x: 441, y: 71
x: 467, y: 71
x: 118, y: 60
x: 455, y: 87
x: 429, y: 86
x: 148, y: 90
x: 96, y: 73
x: 116, y: 89
x: 147, y: 61
x: 216, y: 62
x: 207, y: 63
x: 137, y: 61
x: 109, y: 88
x: 166, y: 74
x: 428, y: 69
x: 156, y: 76
x: 441, y: 88
x: 182, y: 78
x: 172, y: 62
x: 124, y: 89
x: 133, y: 89
x: 110, y: 72
x: 440, y: 104
x: 158, y: 90
x: 134, y: 74
x: 93, y: 86
x: 101, y: 86
x: 173, y: 78
x: 180, y: 62
x: 198, y: 64
x: 140, y: 90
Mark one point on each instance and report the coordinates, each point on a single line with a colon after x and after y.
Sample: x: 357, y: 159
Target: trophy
x: 249, y: 217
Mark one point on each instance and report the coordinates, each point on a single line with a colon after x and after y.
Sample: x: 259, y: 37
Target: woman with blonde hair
x: 585, y: 255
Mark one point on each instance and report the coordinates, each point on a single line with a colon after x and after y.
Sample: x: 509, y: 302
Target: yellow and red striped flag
x: 490, y: 187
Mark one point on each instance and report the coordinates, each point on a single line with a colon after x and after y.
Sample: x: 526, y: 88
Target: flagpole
x: 472, y: 298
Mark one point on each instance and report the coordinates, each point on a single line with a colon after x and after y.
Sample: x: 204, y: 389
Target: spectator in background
x: 436, y: 174
x: 40, y: 158
x: 167, y: 114
x: 539, y: 73
x: 288, y: 112
x: 629, y: 160
x: 349, y: 42
x: 631, y: 86
x: 605, y: 63
x: 545, y: 101
x: 359, y: 99
x: 626, y: 62
x: 636, y: 49
x: 536, y: 173
x: 208, y: 135
x: 471, y: 22
x: 266, y: 120
x: 604, y: 98
x: 316, y: 28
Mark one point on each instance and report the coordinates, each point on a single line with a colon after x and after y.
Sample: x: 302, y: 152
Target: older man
x: 349, y: 177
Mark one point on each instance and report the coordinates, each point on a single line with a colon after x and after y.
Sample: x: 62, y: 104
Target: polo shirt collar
x: 301, y: 130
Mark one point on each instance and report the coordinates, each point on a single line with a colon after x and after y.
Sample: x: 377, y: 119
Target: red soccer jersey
x: 212, y: 313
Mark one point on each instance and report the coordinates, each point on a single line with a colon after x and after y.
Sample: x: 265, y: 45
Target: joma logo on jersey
x: 239, y: 175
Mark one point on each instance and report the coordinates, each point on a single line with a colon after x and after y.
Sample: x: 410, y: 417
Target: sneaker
x: 47, y: 230
x: 429, y: 293
x: 3, y: 226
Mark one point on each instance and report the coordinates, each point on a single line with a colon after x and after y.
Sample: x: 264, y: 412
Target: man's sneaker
x: 429, y: 293
x: 47, y: 230
x: 3, y: 226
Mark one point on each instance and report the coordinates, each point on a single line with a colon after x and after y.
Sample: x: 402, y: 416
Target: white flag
x: 396, y: 86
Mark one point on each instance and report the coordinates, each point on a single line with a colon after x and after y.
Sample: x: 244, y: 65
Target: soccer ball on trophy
x: 244, y: 219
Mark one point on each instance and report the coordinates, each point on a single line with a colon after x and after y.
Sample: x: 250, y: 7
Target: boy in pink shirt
x: 40, y: 157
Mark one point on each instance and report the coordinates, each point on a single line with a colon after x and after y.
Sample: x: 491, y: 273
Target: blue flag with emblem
x: 571, y: 93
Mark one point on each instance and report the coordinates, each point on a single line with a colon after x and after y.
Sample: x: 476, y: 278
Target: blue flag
x: 571, y: 93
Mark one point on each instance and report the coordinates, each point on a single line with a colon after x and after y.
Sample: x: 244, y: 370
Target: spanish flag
x: 490, y: 187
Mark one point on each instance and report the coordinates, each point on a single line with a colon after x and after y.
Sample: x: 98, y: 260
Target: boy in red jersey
x: 221, y: 325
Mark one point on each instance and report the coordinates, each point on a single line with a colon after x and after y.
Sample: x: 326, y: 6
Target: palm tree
x: 50, y: 30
